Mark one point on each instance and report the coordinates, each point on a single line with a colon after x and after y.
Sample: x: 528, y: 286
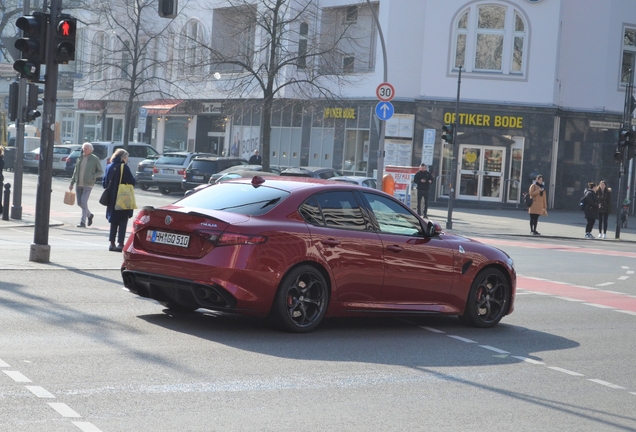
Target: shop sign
x: 340, y: 113
x: 486, y: 120
x: 605, y: 124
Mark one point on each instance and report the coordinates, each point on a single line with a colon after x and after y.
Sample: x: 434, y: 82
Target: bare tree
x: 287, y: 49
x: 125, y: 54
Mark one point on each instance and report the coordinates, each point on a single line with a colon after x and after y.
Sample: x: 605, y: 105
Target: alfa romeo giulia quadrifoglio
x: 298, y: 250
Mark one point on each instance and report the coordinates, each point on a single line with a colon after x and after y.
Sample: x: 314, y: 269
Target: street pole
x: 380, y: 164
x: 451, y: 195
x: 40, y: 249
x: 627, y: 124
x: 16, y: 207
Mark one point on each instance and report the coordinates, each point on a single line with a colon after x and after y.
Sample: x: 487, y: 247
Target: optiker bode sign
x: 485, y: 120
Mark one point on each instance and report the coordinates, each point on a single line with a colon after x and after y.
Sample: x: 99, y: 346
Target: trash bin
x: 9, y: 158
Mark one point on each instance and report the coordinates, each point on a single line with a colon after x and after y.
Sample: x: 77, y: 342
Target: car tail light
x: 181, y: 172
x: 37, y: 157
x: 142, y: 219
x: 64, y: 159
x: 231, y: 239
x: 155, y: 170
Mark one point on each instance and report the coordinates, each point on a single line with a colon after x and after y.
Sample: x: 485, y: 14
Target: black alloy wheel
x: 488, y: 299
x: 144, y: 186
x: 301, y: 301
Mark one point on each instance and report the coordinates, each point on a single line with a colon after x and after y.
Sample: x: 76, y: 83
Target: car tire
x: 178, y: 307
x: 488, y: 299
x: 301, y: 300
x: 144, y: 187
x: 164, y: 191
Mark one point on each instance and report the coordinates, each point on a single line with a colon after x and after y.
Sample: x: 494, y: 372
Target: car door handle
x: 330, y: 242
x: 395, y: 248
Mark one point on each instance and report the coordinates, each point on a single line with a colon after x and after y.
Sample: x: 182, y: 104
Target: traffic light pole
x: 40, y: 249
x: 627, y: 124
x: 451, y: 194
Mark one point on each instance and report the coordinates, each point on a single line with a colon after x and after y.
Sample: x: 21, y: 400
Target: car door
x: 344, y: 238
x: 418, y: 270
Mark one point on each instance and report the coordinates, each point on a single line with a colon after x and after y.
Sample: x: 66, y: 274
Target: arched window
x: 490, y: 38
x: 191, y: 49
x: 302, y: 45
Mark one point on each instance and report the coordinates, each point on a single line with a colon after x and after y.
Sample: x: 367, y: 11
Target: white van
x: 136, y: 152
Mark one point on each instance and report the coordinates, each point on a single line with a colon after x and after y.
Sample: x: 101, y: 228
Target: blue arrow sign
x: 384, y: 110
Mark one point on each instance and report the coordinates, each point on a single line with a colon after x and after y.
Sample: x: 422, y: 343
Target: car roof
x: 215, y: 158
x: 295, y: 183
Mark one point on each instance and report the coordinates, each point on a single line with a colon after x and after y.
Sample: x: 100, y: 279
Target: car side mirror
x: 433, y: 229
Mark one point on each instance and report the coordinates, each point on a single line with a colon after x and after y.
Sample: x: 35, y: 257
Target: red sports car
x: 298, y: 250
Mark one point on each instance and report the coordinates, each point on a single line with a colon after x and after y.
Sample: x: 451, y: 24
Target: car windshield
x: 171, y: 159
x: 240, y: 198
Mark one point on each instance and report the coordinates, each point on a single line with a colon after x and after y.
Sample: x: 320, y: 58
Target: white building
x: 542, y: 90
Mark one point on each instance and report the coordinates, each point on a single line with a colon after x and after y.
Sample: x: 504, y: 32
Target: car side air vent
x: 466, y: 266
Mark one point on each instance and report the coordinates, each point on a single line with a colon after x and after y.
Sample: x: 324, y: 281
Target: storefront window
x: 176, y: 134
x: 92, y: 130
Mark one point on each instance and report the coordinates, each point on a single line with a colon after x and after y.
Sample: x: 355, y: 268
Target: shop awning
x: 161, y: 106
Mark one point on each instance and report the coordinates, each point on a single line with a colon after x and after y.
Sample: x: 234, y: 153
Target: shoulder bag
x: 125, y: 194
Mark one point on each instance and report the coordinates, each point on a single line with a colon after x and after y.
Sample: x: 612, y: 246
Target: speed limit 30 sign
x: 385, y: 92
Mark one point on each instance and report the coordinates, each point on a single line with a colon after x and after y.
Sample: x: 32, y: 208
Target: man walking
x: 87, y: 169
x: 423, y: 180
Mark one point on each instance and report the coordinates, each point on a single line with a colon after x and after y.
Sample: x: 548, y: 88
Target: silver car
x: 168, y: 170
x: 31, y: 160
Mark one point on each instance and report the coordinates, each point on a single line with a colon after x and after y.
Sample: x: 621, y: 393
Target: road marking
x: 3, y: 364
x: 598, y: 305
x: 63, y: 409
x: 606, y: 384
x: 431, y: 329
x: 623, y: 278
x: 568, y: 299
x: 569, y: 372
x: 630, y: 272
x: 87, y: 427
x: 40, y: 392
x: 459, y: 338
x: 497, y: 350
x: 605, y: 284
x: 17, y: 376
x: 529, y: 360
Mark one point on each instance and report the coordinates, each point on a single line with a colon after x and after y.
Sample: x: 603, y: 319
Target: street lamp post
x: 455, y: 150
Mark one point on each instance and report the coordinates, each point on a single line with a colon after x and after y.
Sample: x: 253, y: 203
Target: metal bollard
x: 6, y: 199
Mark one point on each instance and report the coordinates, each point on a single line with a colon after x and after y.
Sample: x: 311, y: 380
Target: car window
x: 328, y: 174
x: 341, y: 210
x: 61, y: 150
x: 204, y: 166
x: 392, y: 218
x: 310, y: 211
x: 101, y: 151
x: 242, y: 198
x: 171, y: 159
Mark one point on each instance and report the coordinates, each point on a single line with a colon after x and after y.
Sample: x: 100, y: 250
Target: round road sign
x: 385, y: 92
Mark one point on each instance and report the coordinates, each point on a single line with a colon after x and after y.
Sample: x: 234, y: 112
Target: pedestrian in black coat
x: 590, y: 209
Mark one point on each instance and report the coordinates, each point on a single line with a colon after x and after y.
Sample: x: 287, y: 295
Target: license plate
x: 168, y: 171
x: 168, y: 238
x: 148, y: 169
x: 195, y: 177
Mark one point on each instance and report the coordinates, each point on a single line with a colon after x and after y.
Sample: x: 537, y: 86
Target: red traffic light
x: 66, y: 27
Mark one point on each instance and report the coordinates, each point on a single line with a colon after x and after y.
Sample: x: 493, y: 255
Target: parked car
x: 215, y: 177
x: 136, y: 152
x: 169, y: 169
x: 71, y: 160
x: 314, y: 172
x: 61, y: 153
x: 231, y: 175
x: 143, y: 175
x: 299, y: 250
x: 201, y: 168
x: 359, y: 180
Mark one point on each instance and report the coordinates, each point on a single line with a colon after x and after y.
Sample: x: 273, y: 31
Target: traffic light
x: 618, y: 155
x: 32, y: 44
x: 168, y: 8
x: 14, y: 94
x: 448, y: 133
x: 65, y: 30
x: 33, y: 102
x: 624, y: 136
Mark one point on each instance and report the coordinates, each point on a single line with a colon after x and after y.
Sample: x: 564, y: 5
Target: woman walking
x: 539, y: 205
x: 590, y: 208
x: 604, y: 198
x: 116, y: 170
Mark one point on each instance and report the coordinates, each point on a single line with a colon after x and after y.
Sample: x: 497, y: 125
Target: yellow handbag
x: 125, y: 194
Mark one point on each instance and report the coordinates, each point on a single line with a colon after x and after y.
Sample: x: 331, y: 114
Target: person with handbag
x: 117, y: 172
x: 87, y: 169
x: 539, y: 206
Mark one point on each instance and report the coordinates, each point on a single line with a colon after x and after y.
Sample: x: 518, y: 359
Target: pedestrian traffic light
x: 618, y: 155
x: 448, y: 133
x: 168, y: 8
x: 14, y: 94
x: 32, y: 44
x: 623, y: 137
x: 33, y: 102
x: 65, y: 30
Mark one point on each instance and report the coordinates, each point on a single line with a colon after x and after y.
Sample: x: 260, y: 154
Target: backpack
x: 527, y: 200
